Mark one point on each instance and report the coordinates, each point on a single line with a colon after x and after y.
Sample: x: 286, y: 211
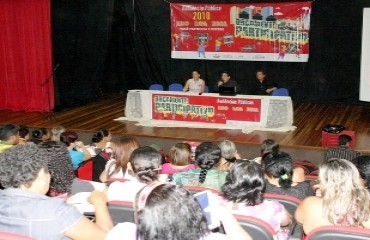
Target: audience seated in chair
x: 363, y: 165
x: 55, y: 133
x: 229, y: 155
x: 344, y: 200
x: 207, y: 155
x: 145, y: 162
x: 342, y: 151
x: 278, y: 168
x: 243, y: 192
x: 24, y: 134
x: 62, y: 176
x: 40, y: 135
x: 166, y: 211
x: 120, y: 167
x: 179, y: 155
x: 9, y: 136
x: 24, y: 208
x: 70, y: 139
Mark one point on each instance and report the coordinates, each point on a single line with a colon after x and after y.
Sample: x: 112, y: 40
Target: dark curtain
x: 25, y: 56
x: 81, y: 33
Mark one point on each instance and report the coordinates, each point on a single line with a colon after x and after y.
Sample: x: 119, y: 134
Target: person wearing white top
x: 195, y: 84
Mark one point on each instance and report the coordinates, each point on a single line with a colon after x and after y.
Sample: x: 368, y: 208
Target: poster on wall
x: 245, y: 32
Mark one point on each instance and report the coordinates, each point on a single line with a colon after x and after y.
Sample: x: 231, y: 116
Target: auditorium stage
x: 303, y: 143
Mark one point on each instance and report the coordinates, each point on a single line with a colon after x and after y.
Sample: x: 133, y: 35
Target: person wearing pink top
x: 180, y: 155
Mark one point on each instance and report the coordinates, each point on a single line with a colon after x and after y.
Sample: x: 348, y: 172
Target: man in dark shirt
x: 226, y: 81
x: 343, y: 151
x: 261, y: 85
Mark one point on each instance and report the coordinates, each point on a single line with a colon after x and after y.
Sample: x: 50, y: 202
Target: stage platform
x: 303, y: 143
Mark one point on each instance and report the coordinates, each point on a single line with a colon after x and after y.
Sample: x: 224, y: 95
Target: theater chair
x: 290, y: 203
x: 157, y: 87
x: 257, y: 228
x: 13, y: 236
x: 121, y: 211
x: 338, y: 233
x: 175, y: 87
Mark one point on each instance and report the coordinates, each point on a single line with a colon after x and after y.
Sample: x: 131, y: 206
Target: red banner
x: 250, y: 31
x: 205, y: 108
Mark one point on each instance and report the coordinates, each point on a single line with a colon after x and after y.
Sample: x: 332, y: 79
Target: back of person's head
x: 23, y: 131
x: 279, y: 165
x: 168, y: 212
x: 7, y: 131
x: 99, y: 135
x: 345, y: 199
x: 207, y: 155
x: 122, y: 150
x: 60, y: 167
x: 244, y: 183
x: 344, y: 139
x: 269, y: 146
x: 21, y: 164
x: 363, y: 165
x: 228, y: 149
x: 40, y: 134
x: 180, y: 154
x: 68, y: 137
x: 55, y: 133
x: 145, y: 163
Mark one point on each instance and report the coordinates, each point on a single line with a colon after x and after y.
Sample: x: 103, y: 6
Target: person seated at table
x: 229, y: 155
x: 226, y: 81
x: 243, y: 191
x: 145, y: 163
x: 279, y: 172
x: 207, y: 155
x: 120, y: 166
x: 40, y: 135
x: 24, y: 208
x: 344, y: 199
x: 180, y: 155
x: 76, y: 149
x: 166, y: 211
x: 9, y: 136
x: 261, y: 85
x: 195, y: 84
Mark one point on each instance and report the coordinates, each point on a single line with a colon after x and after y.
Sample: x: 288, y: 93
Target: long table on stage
x: 243, y: 110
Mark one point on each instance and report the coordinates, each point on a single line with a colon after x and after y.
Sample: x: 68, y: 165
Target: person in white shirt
x: 195, y: 84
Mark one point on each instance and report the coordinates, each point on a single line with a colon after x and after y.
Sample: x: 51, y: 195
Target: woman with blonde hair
x: 119, y: 167
x: 344, y: 200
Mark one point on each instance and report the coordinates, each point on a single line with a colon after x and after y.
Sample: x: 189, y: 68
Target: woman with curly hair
x: 145, y: 162
x: 63, y: 179
x: 344, y: 199
x: 278, y: 168
x: 165, y: 211
x: 207, y: 156
x: 119, y: 167
x: 243, y: 191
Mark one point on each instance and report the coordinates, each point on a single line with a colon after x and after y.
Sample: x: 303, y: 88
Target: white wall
x: 365, y: 58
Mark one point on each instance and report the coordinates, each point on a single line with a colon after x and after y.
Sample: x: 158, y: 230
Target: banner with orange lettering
x: 246, y: 32
x: 212, y: 109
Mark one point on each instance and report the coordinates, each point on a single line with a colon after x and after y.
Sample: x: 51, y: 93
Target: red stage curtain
x: 25, y: 55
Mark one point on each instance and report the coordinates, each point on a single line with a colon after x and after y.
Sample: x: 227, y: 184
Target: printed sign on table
x: 195, y: 108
